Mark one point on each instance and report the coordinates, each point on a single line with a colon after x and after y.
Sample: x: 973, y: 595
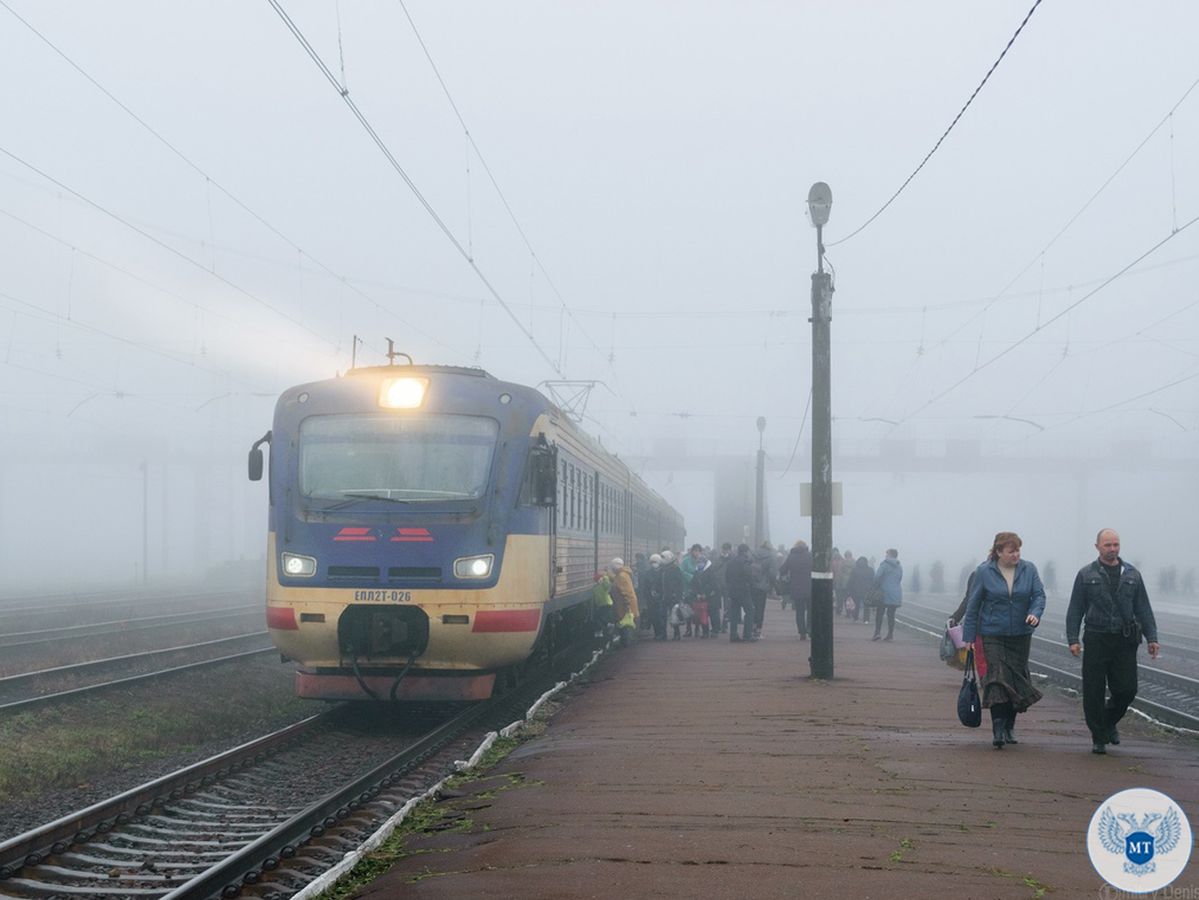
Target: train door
x: 544, y: 488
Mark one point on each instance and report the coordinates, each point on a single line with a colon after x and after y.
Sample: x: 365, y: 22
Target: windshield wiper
x: 354, y: 497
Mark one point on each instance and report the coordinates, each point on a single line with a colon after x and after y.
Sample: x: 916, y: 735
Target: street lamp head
x: 820, y: 201
x: 761, y: 423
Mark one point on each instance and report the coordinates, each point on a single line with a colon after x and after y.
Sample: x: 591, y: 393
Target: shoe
x: 1113, y: 736
x: 889, y: 638
x: 733, y: 639
x: 877, y: 637
x: 1097, y: 747
x: 997, y: 738
x: 803, y: 637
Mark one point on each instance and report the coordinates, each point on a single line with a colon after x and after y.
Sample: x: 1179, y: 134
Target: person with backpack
x: 797, y: 569
x: 764, y: 574
x: 739, y: 580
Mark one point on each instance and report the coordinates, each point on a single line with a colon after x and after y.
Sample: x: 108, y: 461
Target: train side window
x: 539, y: 487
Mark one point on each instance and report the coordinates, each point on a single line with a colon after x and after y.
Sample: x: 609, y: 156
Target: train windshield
x: 404, y: 459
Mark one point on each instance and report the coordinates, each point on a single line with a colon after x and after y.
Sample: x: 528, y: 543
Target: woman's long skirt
x: 1007, y: 679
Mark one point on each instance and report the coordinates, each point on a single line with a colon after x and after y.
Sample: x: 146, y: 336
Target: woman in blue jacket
x: 1005, y: 604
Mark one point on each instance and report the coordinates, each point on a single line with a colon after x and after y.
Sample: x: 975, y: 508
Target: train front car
x: 410, y: 508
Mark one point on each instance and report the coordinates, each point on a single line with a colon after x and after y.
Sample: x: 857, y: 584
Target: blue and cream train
x: 431, y: 528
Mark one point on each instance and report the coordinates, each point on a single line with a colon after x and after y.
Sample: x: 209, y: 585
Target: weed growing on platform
x: 437, y: 816
x: 1038, y: 890
x: 897, y: 855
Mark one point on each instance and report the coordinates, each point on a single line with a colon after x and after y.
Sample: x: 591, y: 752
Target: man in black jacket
x: 739, y: 582
x: 1110, y: 594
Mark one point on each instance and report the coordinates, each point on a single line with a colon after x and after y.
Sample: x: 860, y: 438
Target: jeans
x: 878, y: 620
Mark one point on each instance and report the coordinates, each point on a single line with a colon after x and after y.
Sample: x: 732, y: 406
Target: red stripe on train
x: 282, y: 618
x: 412, y: 536
x: 354, y: 534
x: 492, y: 620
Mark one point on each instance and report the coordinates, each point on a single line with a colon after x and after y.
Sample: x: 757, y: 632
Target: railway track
x: 93, y: 605
x: 42, y: 685
x: 17, y: 640
x: 247, y: 820
x: 1180, y: 651
x: 47, y: 699
x: 1167, y: 697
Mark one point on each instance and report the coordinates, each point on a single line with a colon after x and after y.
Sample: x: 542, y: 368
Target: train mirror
x: 256, y: 464
x: 255, y: 460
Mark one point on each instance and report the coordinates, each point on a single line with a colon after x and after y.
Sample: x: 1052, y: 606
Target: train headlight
x: 402, y: 393
x: 474, y: 566
x: 298, y: 566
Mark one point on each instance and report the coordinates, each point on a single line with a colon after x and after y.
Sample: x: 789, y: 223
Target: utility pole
x: 145, y: 470
x: 760, y: 488
x: 820, y: 201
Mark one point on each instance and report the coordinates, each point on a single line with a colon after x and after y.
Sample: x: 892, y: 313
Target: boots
x: 997, y: 732
x: 1008, y: 725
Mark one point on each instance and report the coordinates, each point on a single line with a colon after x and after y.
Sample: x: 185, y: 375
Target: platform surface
x: 707, y: 769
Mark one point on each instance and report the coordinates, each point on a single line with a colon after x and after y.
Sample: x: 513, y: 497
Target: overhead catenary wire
x: 945, y: 134
x: 1014, y: 344
x: 324, y: 339
x: 503, y: 198
x: 416, y: 192
x: 1040, y: 255
x: 212, y: 182
x: 1168, y: 117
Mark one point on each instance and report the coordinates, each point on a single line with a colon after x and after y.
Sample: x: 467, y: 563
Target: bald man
x: 1110, y: 595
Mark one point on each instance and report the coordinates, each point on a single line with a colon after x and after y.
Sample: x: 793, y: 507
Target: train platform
x: 705, y: 769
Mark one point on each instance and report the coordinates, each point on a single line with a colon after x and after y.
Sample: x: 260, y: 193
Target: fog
x: 193, y: 220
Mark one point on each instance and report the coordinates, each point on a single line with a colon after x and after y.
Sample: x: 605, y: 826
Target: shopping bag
x: 970, y: 708
x: 947, y: 651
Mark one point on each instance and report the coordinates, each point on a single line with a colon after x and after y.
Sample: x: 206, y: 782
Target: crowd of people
x: 704, y: 594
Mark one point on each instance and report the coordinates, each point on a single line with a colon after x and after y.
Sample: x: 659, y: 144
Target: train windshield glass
x: 405, y: 459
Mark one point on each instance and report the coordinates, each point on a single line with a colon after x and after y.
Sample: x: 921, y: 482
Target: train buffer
x: 703, y: 769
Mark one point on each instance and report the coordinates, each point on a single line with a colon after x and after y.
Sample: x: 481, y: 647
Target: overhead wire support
x: 942, y: 138
x: 399, y: 169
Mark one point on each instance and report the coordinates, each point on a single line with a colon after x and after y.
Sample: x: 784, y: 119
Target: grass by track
x: 77, y: 742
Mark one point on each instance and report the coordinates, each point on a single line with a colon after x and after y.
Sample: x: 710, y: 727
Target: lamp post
x: 820, y: 201
x: 760, y: 488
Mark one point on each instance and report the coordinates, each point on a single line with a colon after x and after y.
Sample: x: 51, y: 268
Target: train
x: 432, y: 529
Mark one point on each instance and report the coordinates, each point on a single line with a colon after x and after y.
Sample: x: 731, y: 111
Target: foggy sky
x: 656, y: 156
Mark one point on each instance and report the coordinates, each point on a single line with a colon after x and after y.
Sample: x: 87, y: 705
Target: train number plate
x: 382, y: 596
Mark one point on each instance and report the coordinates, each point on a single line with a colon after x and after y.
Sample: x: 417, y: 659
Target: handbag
x: 970, y: 708
x: 874, y: 597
